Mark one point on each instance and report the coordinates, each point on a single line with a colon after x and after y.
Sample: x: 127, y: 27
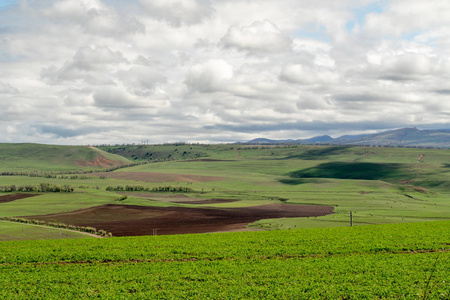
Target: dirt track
x: 13, y: 197
x: 130, y: 220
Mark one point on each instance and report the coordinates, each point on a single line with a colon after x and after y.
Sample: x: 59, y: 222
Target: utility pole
x: 351, y: 218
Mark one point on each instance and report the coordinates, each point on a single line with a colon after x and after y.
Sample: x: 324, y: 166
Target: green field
x: 16, y: 232
x: 405, y: 261
x: 378, y: 185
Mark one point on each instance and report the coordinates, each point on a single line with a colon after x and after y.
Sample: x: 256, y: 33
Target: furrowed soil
x: 158, y: 177
x: 13, y: 197
x: 132, y: 220
x: 177, y: 198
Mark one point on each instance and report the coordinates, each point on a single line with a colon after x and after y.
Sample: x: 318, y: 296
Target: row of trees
x: 87, y: 229
x: 51, y: 175
x: 139, y: 188
x: 71, y: 174
x: 41, y: 188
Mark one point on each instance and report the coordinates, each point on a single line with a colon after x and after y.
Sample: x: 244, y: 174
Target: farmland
x: 220, y: 184
x: 407, y: 261
x: 288, y: 208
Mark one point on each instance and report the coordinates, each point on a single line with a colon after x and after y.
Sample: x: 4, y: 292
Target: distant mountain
x: 320, y: 139
x: 268, y: 141
x: 402, y: 137
x: 399, y: 137
x: 313, y: 140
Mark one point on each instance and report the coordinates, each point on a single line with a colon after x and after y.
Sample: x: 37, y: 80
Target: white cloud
x: 91, y: 64
x: 6, y: 88
x: 406, y: 66
x: 178, y: 12
x: 141, y: 80
x: 297, y: 73
x: 210, y: 76
x: 93, y: 16
x: 259, y: 37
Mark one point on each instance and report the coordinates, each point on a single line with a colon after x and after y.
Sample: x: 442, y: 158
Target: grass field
x: 18, y: 232
x: 404, y: 261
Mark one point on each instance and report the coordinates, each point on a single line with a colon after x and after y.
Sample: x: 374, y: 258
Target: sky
x: 214, y: 71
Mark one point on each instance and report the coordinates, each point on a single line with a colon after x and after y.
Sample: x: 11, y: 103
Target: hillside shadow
x: 297, y: 181
x: 351, y: 170
x: 321, y: 153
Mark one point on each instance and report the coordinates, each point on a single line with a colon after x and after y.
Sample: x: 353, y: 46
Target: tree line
x: 71, y: 174
x: 88, y: 229
x: 40, y: 188
x: 139, y: 188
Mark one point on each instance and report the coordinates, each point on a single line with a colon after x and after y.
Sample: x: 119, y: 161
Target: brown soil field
x: 100, y: 161
x: 206, y: 160
x: 206, y: 201
x: 131, y: 220
x: 158, y: 177
x: 176, y: 198
x: 18, y: 196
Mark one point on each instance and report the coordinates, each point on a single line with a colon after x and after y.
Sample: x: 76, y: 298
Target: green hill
x: 38, y: 157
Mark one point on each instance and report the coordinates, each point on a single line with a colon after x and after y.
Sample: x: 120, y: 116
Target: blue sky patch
x: 6, y: 3
x: 360, y: 14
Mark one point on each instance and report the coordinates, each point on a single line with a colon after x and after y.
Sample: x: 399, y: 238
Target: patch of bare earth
x: 205, y: 160
x: 176, y: 198
x: 13, y: 197
x: 159, y: 177
x: 205, y: 201
x: 131, y: 220
x: 99, y: 161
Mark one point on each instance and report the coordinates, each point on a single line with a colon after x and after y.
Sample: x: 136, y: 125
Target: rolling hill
x: 39, y: 157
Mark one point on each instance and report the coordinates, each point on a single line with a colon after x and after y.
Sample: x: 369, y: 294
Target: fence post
x: 351, y: 218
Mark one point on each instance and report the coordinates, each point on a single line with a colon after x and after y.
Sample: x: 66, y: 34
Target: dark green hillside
x: 166, y: 152
x: 353, y: 170
x: 38, y: 157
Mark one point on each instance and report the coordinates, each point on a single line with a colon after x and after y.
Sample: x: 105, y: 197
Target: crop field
x: 406, y: 261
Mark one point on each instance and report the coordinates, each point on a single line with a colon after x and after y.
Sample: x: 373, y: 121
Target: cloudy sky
x: 116, y: 71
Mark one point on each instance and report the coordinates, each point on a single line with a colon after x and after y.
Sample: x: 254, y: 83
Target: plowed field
x: 131, y: 220
x: 12, y: 197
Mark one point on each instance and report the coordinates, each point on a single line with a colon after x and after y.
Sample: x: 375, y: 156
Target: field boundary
x: 56, y: 228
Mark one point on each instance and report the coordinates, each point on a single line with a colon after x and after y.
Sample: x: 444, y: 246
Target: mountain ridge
x: 398, y: 137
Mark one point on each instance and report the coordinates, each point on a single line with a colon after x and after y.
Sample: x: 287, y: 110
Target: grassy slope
x: 17, y: 232
x: 406, y: 261
x: 37, y: 157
